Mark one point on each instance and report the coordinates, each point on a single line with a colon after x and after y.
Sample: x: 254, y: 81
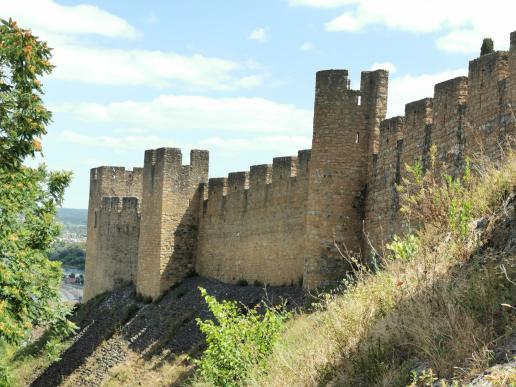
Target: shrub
x: 403, y: 249
x: 6, y: 379
x: 237, y: 340
x: 487, y: 46
x: 438, y: 200
x: 53, y: 349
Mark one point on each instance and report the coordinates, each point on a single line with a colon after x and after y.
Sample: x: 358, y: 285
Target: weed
x: 403, y: 249
x: 236, y: 341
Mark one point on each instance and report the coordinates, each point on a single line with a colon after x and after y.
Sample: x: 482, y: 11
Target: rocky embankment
x: 116, y: 325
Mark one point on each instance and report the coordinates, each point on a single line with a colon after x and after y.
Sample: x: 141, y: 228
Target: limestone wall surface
x: 105, y: 182
x: 118, y: 225
x: 252, y: 224
x: 345, y: 132
x: 170, y: 212
x: 468, y: 117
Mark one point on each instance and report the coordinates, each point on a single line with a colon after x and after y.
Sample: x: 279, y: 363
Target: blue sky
x: 233, y: 77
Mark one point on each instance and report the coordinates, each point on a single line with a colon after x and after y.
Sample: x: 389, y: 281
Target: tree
x: 487, y: 46
x: 29, y: 281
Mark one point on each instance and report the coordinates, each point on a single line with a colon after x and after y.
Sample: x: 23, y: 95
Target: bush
x: 487, y: 46
x: 6, y: 379
x: 53, y: 348
x: 438, y: 200
x: 237, y: 340
x: 403, y: 249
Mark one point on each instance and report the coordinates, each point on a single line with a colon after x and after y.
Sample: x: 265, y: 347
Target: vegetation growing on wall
x: 487, y: 46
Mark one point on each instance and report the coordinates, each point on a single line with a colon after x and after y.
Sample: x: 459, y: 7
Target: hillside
x: 438, y: 304
x: 126, y: 342
x: 74, y: 223
x: 72, y: 216
x: 70, y: 247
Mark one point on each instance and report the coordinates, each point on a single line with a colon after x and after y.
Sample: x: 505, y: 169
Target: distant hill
x: 74, y: 224
x: 72, y: 216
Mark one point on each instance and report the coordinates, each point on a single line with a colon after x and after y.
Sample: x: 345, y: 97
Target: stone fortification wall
x: 118, y: 227
x: 106, y: 182
x: 252, y: 224
x: 280, y: 223
x: 344, y: 135
x: 170, y: 211
x: 381, y: 214
x: 469, y: 117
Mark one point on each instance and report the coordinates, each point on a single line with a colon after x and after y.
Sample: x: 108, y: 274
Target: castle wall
x: 417, y: 133
x: 487, y: 113
x: 252, y: 224
x: 170, y: 210
x: 449, y: 122
x: 510, y: 108
x: 344, y: 134
x: 382, y: 206
x: 279, y: 223
x: 467, y: 117
x: 117, y: 228
x: 104, y: 182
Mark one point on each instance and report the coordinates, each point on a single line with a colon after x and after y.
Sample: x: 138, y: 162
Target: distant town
x: 70, y: 250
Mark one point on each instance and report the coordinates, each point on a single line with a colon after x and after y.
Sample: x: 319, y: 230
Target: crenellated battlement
x: 281, y: 223
x: 262, y: 185
x: 255, y: 212
x: 115, y: 181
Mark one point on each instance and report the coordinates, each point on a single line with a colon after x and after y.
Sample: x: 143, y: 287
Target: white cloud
x: 345, y: 22
x: 307, y: 46
x: 285, y: 144
x: 277, y: 144
x: 181, y: 113
x: 459, y: 25
x: 384, y: 66
x: 46, y: 17
x: 149, y: 68
x: 409, y: 88
x: 119, y: 145
x: 65, y: 26
x: 259, y: 34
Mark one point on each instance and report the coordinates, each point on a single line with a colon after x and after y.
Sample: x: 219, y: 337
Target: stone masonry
x: 281, y: 224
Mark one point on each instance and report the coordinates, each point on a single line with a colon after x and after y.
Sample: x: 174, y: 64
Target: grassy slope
x: 441, y: 310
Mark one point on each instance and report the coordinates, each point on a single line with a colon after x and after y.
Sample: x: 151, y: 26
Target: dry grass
x: 163, y: 370
x: 440, y: 310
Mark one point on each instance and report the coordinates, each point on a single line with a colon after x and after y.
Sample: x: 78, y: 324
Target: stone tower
x: 113, y: 221
x: 345, y: 136
x: 170, y: 210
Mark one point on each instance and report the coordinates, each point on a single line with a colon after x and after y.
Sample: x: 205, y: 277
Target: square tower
x: 345, y: 135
